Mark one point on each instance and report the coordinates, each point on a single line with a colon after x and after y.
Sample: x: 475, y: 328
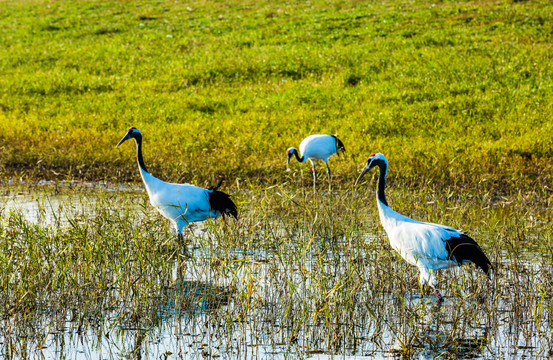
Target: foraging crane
x: 428, y: 246
x: 182, y: 204
x: 317, y: 147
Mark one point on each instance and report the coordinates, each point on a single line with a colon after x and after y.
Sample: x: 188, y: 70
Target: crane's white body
x: 182, y: 204
x: 420, y: 244
x: 318, y: 147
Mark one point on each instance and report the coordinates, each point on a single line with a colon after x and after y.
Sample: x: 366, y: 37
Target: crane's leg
x: 181, y: 228
x: 180, y: 238
x: 182, y: 245
x: 329, y: 177
x: 432, y: 282
x: 314, y: 175
x: 439, y: 296
x: 427, y: 276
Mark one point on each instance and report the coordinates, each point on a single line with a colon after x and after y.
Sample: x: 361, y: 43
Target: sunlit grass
x: 455, y: 94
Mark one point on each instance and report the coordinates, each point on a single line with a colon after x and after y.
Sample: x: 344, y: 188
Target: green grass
x: 456, y: 94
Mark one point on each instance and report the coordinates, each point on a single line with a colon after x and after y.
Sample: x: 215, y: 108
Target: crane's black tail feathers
x: 464, y: 248
x: 220, y: 201
x: 216, y: 187
x: 339, y: 145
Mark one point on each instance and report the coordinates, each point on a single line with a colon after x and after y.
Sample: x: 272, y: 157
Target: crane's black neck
x: 380, y: 194
x: 139, y: 157
x: 302, y: 159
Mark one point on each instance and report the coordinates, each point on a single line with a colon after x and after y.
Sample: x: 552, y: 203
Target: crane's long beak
x: 365, y: 170
x: 125, y: 138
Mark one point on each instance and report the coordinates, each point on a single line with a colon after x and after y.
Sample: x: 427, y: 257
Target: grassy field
x: 457, y: 94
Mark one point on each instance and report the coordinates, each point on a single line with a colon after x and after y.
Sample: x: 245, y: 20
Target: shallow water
x: 48, y: 202
x: 313, y: 297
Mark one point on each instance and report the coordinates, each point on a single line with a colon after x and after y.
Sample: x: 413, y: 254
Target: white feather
x: 318, y: 147
x: 420, y: 244
x: 180, y: 203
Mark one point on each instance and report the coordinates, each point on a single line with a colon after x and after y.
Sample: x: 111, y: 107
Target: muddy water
x: 195, y: 316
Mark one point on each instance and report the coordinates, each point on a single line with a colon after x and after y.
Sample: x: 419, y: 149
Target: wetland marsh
x: 97, y: 272
x: 457, y: 94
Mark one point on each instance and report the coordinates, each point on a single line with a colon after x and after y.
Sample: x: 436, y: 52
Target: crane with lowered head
x: 317, y: 147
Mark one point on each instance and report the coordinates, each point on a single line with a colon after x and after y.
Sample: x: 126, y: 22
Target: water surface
x: 285, y: 281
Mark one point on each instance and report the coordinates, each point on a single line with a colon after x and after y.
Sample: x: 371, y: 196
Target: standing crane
x: 182, y: 204
x: 317, y: 147
x: 430, y: 247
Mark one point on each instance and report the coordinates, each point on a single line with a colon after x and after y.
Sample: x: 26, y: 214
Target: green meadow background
x: 457, y: 94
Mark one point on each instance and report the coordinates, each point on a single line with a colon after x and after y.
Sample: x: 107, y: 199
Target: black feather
x: 221, y: 202
x: 216, y: 187
x: 464, y: 248
x: 339, y: 144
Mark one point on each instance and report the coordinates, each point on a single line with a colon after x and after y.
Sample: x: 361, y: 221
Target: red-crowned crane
x: 182, y: 204
x: 317, y: 147
x: 430, y: 247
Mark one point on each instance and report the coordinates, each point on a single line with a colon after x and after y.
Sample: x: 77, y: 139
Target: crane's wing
x: 437, y: 245
x: 318, y: 146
